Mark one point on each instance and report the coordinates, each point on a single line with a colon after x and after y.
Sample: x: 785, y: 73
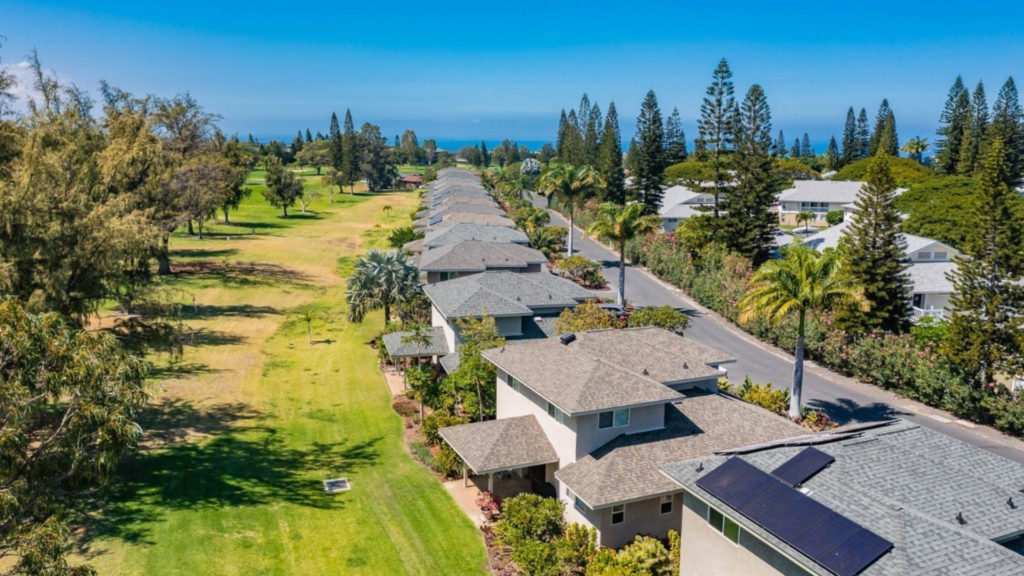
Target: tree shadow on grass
x: 202, y: 337
x: 845, y: 411
x: 239, y: 466
x: 182, y: 369
x: 198, y: 253
x: 242, y: 273
x: 228, y: 311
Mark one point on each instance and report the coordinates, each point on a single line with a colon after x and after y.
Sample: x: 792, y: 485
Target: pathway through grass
x: 243, y: 431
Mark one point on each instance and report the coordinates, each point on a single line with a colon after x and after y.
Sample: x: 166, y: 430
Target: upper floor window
x: 666, y: 504
x: 924, y: 255
x: 618, y: 514
x: 724, y: 526
x: 555, y: 413
x: 513, y: 383
x: 613, y: 419
x: 577, y: 502
x: 939, y: 256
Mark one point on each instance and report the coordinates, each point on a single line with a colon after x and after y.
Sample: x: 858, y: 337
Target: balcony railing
x: 937, y: 313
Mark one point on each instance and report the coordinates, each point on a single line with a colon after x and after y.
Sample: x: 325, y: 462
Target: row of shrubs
x: 907, y: 364
x: 543, y: 544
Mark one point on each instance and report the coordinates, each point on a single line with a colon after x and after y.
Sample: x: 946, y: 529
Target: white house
x: 681, y: 203
x: 931, y: 262
x: 818, y: 197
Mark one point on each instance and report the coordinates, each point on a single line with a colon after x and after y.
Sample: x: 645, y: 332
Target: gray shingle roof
x: 627, y: 468
x: 829, y: 238
x: 503, y: 294
x: 451, y: 362
x: 438, y: 345
x: 473, y: 256
x: 504, y: 444
x: 462, y: 218
x: 466, y: 208
x: 575, y: 381
x: 462, y: 232
x: 831, y: 191
x: 666, y: 357
x: 907, y: 484
x: 932, y: 277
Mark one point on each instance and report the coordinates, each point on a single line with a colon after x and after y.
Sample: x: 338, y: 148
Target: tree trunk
x: 227, y: 220
x: 200, y: 222
x: 163, y: 256
x: 309, y: 332
x: 387, y: 315
x: 480, y: 399
x: 622, y: 275
x: 285, y: 211
x: 796, y: 391
x: 572, y: 221
x: 191, y: 232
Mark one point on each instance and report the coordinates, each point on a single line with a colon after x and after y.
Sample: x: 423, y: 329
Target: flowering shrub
x: 765, y: 396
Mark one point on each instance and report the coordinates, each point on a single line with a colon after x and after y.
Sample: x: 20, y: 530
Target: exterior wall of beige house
x: 641, y: 517
x: 789, y: 210
x: 707, y: 552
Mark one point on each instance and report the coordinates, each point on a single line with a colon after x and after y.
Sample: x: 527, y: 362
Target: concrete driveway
x: 843, y: 399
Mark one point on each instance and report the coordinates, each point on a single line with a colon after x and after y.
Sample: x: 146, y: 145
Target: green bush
x: 447, y: 463
x: 834, y: 217
x: 665, y: 317
x: 765, y: 395
x: 530, y: 518
x: 790, y: 169
x: 432, y: 423
x: 422, y: 453
x: 576, y: 547
x: 537, y: 558
x: 689, y: 171
x: 586, y: 316
x: 579, y: 268
x: 936, y: 209
x: 647, y: 556
x: 930, y: 332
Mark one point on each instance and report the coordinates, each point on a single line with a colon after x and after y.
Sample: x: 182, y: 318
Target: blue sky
x: 491, y: 70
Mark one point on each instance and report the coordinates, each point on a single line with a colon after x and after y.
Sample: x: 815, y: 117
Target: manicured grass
x: 241, y: 433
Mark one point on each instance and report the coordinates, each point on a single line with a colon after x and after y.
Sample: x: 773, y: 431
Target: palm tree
x: 308, y: 318
x: 802, y: 282
x: 381, y: 279
x: 571, y: 185
x: 620, y: 224
x: 548, y: 239
x: 804, y: 216
x: 916, y: 147
x: 387, y: 209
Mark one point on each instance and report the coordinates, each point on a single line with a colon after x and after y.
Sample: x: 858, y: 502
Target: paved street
x: 842, y: 402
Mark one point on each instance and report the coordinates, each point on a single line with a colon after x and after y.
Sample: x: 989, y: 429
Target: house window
x: 924, y: 255
x: 577, y: 502
x: 513, y: 383
x: 666, y: 504
x: 618, y: 514
x: 445, y: 276
x: 555, y: 413
x: 940, y: 256
x: 724, y: 526
x: 613, y: 419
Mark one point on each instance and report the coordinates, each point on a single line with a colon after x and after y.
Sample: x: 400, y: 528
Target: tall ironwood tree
x: 649, y: 163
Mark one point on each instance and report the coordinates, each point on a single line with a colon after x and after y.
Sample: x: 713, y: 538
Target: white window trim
x: 667, y: 499
x: 622, y: 511
x: 721, y: 532
x: 629, y: 416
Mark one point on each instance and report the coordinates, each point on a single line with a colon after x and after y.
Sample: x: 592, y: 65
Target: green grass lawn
x: 242, y: 431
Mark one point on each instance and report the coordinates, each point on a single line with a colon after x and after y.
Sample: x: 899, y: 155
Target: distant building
x: 410, y: 181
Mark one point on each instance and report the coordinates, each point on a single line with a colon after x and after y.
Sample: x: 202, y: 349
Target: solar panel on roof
x: 803, y: 466
x: 435, y: 220
x: 830, y: 539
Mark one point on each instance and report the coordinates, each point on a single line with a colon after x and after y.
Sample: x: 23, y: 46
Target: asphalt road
x: 841, y: 402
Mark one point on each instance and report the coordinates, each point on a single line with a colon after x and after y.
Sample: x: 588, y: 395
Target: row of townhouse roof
x: 629, y: 429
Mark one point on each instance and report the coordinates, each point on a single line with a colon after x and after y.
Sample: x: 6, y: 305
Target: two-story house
x: 681, y: 203
x: 891, y: 499
x: 819, y: 197
x: 590, y: 417
x: 523, y: 306
x: 930, y: 265
x: 457, y: 208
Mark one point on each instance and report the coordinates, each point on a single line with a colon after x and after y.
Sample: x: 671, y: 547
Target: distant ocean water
x: 454, y: 145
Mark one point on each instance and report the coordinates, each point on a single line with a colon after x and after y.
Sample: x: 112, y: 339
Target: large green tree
x: 953, y: 123
x: 880, y: 119
x: 68, y: 405
x: 610, y: 159
x: 649, y: 163
x: 875, y: 252
x: 675, y: 139
x: 748, y: 225
x: 974, y: 133
x: 1007, y: 127
x: 717, y: 121
x: 985, y: 333
x: 851, y: 146
x: 283, y: 188
x: 571, y: 186
x: 377, y: 163
x: 863, y: 133
x: 380, y: 280
x: 801, y: 283
x: 619, y: 224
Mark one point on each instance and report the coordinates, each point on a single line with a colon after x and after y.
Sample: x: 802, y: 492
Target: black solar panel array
x: 835, y: 542
x: 801, y: 467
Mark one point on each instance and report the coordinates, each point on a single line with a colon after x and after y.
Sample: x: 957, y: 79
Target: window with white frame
x: 618, y: 514
x: 555, y: 413
x: 666, y: 504
x: 724, y: 526
x: 513, y: 383
x: 816, y: 207
x: 577, y: 502
x: 939, y: 256
x: 613, y: 418
x: 924, y: 255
